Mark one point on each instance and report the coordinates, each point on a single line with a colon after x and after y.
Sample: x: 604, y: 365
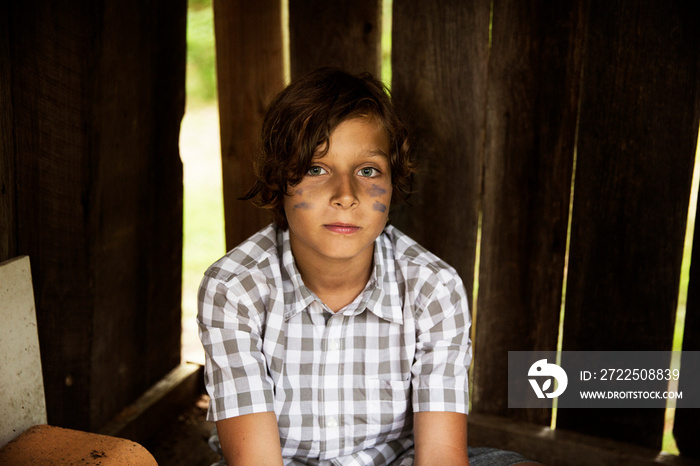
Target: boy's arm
x: 440, y: 374
x: 250, y: 439
x: 440, y: 439
x: 236, y: 374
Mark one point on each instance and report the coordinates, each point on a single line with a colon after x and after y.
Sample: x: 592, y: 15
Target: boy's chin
x: 339, y: 249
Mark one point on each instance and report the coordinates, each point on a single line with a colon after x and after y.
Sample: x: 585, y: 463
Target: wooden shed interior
x: 556, y: 144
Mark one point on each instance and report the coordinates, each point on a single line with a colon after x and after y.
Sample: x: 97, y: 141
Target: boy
x: 332, y: 338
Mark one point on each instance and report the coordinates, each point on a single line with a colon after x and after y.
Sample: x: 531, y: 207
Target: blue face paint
x: 376, y: 191
x: 303, y: 206
x: 379, y: 207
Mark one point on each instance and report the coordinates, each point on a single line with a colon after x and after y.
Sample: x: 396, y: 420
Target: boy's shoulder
x: 260, y: 251
x: 415, y: 258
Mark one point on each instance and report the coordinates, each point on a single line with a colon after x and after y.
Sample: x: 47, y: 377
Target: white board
x: 22, y: 402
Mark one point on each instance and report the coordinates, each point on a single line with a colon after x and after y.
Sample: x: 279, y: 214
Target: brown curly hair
x: 299, y: 121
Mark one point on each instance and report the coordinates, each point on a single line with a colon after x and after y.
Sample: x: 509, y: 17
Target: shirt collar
x: 380, y: 296
x: 298, y: 296
x: 385, y: 300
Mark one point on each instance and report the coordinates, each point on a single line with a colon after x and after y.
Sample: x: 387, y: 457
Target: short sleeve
x: 443, y: 347
x: 230, y: 328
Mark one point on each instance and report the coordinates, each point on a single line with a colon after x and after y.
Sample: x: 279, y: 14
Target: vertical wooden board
x: 135, y: 209
x: 8, y: 211
x: 120, y: 98
x: 685, y: 424
x: 50, y: 72
x: 342, y: 33
x: 634, y: 166
x: 100, y: 196
x: 439, y: 56
x: 168, y: 56
x: 249, y: 64
x: 534, y: 76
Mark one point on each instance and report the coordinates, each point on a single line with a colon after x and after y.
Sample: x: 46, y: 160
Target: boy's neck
x: 336, y: 282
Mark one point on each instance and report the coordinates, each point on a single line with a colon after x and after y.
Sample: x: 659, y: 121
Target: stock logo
x: 543, y: 369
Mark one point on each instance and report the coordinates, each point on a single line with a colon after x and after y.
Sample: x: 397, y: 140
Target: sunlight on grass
x: 201, y: 54
x: 203, y: 232
x: 203, y: 240
x: 386, y: 42
x: 204, y: 215
x: 669, y: 443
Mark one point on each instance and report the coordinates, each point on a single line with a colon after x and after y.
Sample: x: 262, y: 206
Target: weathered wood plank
x: 121, y: 185
x: 560, y: 447
x: 100, y: 195
x: 49, y: 60
x: 8, y: 189
x: 163, y: 235
x: 250, y: 72
x: 138, y: 195
x: 439, y: 56
x: 637, y: 131
x: 534, y: 77
x: 342, y: 33
x: 165, y: 400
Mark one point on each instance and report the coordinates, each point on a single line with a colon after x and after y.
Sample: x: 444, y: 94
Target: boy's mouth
x: 342, y: 228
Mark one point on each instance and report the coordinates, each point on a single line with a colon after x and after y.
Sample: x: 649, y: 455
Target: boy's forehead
x: 321, y: 152
x: 373, y: 146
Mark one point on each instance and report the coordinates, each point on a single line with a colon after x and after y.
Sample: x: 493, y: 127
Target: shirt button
x: 332, y: 422
x: 333, y: 345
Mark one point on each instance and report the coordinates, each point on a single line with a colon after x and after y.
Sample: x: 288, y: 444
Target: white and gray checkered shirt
x: 343, y: 385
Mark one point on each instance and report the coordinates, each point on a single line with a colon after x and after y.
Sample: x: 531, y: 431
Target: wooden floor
x: 184, y: 442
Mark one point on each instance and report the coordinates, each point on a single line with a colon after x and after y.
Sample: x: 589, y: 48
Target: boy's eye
x: 315, y: 171
x: 368, y: 172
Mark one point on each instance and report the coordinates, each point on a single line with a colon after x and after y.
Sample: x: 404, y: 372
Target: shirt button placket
x: 331, y: 384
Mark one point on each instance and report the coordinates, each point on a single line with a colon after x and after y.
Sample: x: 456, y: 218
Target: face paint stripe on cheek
x: 379, y: 207
x: 303, y: 206
x: 376, y: 191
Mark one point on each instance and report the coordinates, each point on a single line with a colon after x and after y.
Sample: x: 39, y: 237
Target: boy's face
x: 342, y: 203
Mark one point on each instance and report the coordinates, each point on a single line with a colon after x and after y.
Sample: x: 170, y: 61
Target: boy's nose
x: 344, y: 193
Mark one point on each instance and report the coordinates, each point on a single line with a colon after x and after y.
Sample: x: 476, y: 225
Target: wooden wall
x: 91, y: 98
x: 510, y: 103
x: 250, y: 72
x: 342, y: 33
x: 530, y: 118
x: 444, y: 109
x: 635, y: 154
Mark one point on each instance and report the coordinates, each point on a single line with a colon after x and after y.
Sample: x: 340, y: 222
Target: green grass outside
x: 203, y: 229
x: 201, y: 55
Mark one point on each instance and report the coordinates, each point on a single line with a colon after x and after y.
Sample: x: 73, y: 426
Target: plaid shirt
x: 343, y: 385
